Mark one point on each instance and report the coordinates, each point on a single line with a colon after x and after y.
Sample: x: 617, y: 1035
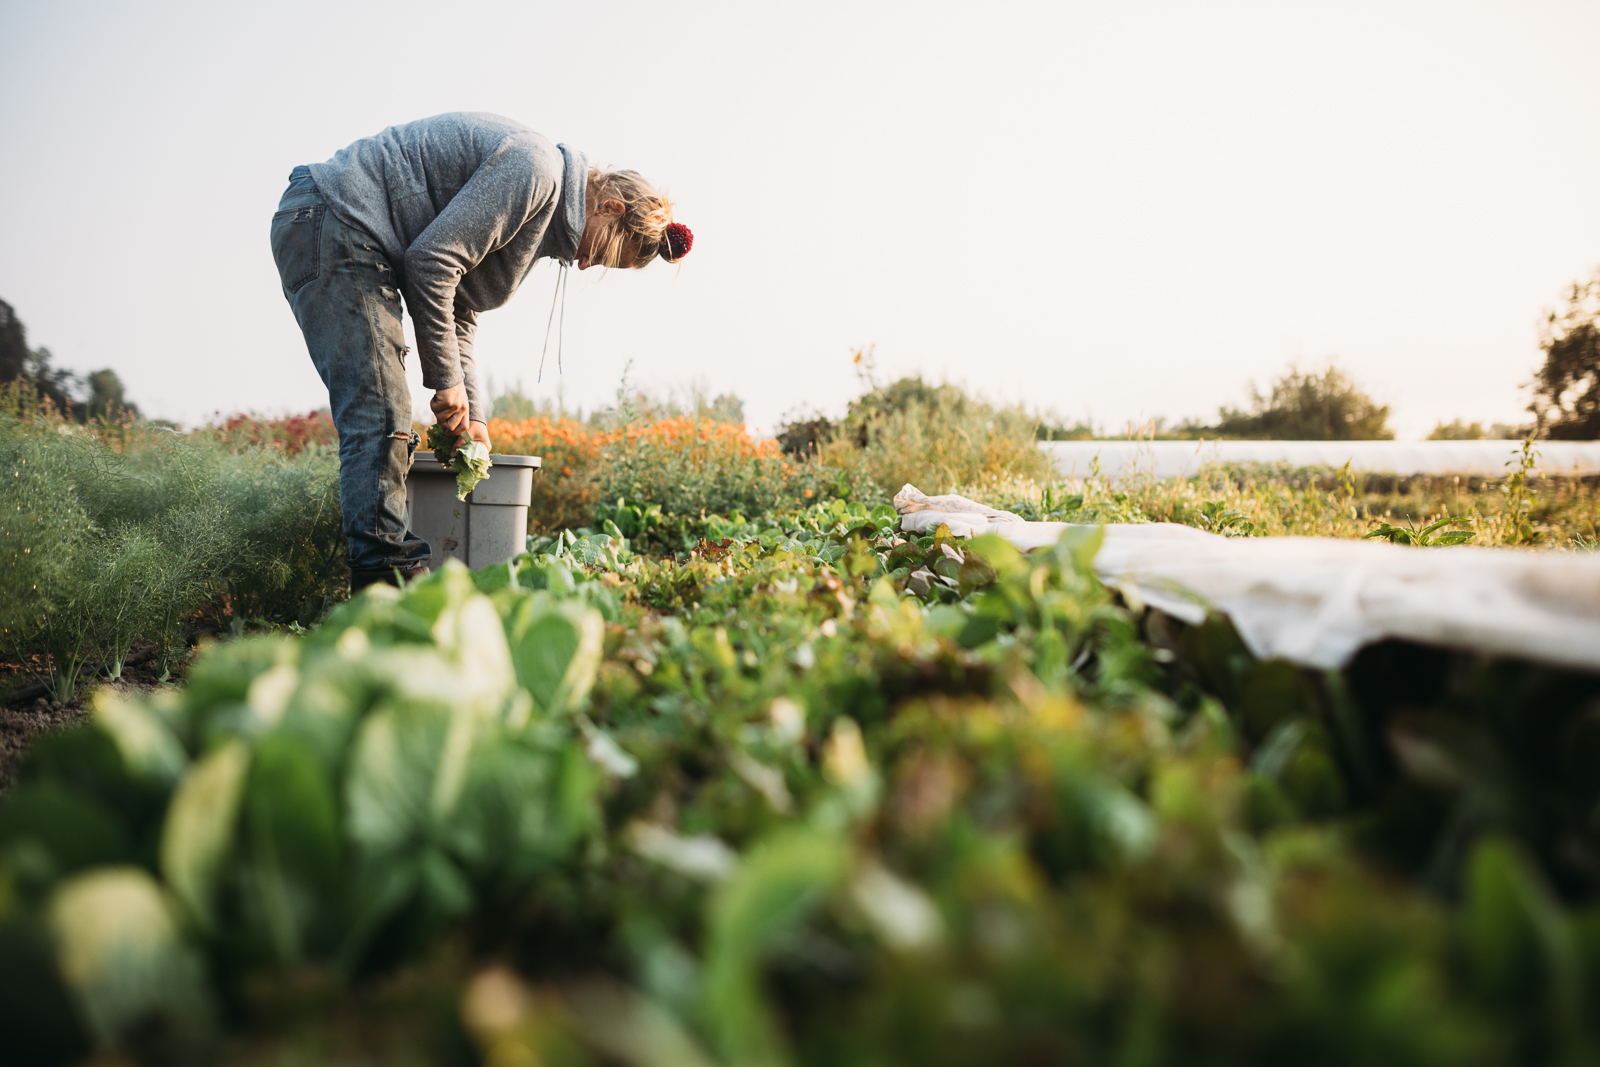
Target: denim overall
x: 342, y: 289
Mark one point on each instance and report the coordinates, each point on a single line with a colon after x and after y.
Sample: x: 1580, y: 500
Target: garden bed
x: 775, y: 802
x: 733, y: 774
x: 30, y: 711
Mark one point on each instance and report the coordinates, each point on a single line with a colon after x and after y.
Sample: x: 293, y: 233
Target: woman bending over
x: 450, y: 213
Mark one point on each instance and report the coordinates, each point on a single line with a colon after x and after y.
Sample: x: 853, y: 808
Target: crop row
x: 815, y: 793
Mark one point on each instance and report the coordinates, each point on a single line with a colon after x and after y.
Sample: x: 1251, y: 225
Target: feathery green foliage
x: 103, y: 547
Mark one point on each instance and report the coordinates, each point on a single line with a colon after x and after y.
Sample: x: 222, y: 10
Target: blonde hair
x: 646, y: 215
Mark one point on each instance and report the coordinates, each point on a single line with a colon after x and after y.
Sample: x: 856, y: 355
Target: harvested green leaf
x: 443, y: 444
x: 471, y: 465
x: 467, y: 458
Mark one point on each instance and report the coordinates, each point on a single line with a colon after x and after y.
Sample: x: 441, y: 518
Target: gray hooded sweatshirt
x: 462, y: 204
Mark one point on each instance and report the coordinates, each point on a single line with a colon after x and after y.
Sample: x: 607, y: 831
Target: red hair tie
x: 679, y: 240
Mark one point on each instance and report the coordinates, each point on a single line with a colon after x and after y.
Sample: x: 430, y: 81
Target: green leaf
x: 389, y: 787
x: 1296, y: 756
x: 556, y: 650
x: 521, y: 807
x: 884, y: 515
x: 976, y: 573
x: 148, y: 747
x: 1397, y: 535
x: 120, y: 953
x: 37, y: 1016
x: 977, y: 630
x: 499, y: 576
x: 471, y: 632
x: 471, y: 464
x: 222, y: 679
x: 775, y: 887
x: 48, y: 832
x: 1519, y: 942
x: 633, y: 1030
x: 444, y: 888
x: 1078, y: 546
x: 589, y: 551
x: 1274, y: 691
x: 448, y: 586
x: 908, y: 554
x: 945, y: 620
x: 442, y: 443
x: 1002, y: 557
x: 200, y: 827
x: 292, y: 854
x: 1422, y: 535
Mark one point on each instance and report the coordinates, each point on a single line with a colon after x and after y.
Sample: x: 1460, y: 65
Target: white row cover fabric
x: 1316, y: 601
x: 1183, y: 459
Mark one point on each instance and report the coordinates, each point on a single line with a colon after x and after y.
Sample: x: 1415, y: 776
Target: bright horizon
x: 1113, y: 212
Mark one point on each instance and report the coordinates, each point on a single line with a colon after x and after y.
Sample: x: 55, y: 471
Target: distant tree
x: 1566, y: 390
x: 1457, y: 430
x: 107, y: 397
x: 513, y: 405
x: 99, y: 395
x: 802, y: 433
x: 1055, y: 429
x: 55, y: 384
x: 1461, y: 430
x: 634, y: 405
x: 869, y: 412
x: 724, y: 407
x: 14, y: 354
x: 1307, y: 406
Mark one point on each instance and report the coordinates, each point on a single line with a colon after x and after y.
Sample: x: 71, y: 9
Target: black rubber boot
x: 396, y: 576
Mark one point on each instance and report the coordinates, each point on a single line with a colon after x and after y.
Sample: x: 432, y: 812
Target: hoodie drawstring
x: 561, y: 291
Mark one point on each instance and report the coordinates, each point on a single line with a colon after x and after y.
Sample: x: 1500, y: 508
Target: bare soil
x: 24, y: 716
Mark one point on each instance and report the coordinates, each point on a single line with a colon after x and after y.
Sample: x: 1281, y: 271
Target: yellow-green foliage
x: 933, y: 436
x: 1544, y: 512
x: 817, y: 794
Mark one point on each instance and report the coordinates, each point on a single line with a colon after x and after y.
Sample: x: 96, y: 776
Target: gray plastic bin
x: 489, y: 527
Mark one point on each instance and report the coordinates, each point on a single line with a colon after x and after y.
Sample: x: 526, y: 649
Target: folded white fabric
x: 919, y: 512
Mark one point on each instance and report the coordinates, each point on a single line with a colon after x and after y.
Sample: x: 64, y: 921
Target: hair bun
x: 679, y: 240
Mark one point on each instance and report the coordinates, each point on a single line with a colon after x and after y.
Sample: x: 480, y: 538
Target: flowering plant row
x: 688, y: 467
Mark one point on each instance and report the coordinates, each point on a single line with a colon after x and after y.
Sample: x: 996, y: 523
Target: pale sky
x: 1109, y: 209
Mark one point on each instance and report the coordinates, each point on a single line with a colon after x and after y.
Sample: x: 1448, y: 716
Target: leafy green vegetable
x: 469, y: 459
x: 1411, y: 534
x: 471, y: 465
x: 442, y: 443
x: 784, y: 800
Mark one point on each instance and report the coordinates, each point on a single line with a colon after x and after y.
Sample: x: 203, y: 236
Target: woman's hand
x: 450, y: 408
x: 479, y: 432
